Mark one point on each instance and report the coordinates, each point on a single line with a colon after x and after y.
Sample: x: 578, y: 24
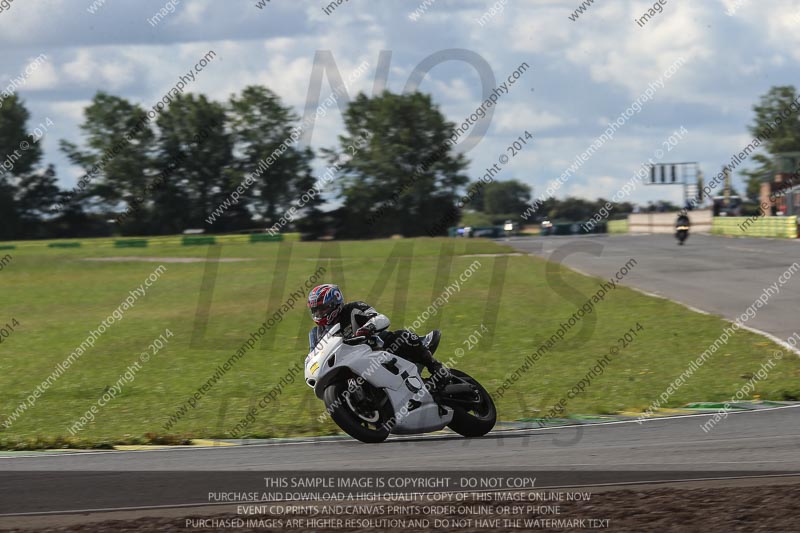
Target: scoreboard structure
x: 686, y: 174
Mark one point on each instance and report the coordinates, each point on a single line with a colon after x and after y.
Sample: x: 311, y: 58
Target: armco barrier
x: 618, y: 226
x: 564, y: 228
x: 131, y: 243
x: 265, y: 237
x: 198, y: 240
x: 573, y: 228
x: 782, y: 227
x: 164, y: 240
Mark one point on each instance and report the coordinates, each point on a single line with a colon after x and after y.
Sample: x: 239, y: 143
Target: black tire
x: 472, y: 422
x: 372, y: 429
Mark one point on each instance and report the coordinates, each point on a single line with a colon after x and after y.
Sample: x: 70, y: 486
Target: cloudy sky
x: 583, y: 73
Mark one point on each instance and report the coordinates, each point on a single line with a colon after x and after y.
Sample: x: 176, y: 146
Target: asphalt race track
x: 719, y: 275
x: 765, y: 443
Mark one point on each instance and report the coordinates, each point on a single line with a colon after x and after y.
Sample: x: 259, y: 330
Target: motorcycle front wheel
x: 362, y: 411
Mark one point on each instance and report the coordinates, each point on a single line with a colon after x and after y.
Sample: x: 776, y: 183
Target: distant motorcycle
x: 371, y: 393
x: 681, y: 233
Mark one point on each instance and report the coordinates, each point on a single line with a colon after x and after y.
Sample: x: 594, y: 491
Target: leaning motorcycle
x: 681, y: 233
x: 371, y: 393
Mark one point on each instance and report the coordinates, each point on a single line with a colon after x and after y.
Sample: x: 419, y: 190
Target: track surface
x: 676, y: 443
x: 718, y: 275
x: 764, y: 442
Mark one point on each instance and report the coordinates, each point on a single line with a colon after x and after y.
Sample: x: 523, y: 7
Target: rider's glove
x: 367, y: 330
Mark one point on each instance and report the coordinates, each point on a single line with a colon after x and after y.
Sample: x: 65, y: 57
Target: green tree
x: 19, y: 151
x: 785, y: 136
x: 9, y: 218
x: 508, y: 199
x: 620, y: 209
x: 398, y: 171
x: 476, y: 219
x: 118, y: 152
x: 19, y: 156
x: 36, y: 194
x: 193, y: 156
x: 572, y: 209
x: 264, y: 135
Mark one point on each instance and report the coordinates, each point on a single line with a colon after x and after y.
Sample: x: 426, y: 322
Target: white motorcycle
x: 371, y: 393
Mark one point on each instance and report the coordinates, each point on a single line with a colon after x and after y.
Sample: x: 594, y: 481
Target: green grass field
x: 57, y: 298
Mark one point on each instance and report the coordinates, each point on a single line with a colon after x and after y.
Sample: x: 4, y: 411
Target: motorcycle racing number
x: 407, y: 380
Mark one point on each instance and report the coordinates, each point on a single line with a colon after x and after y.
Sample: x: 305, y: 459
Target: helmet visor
x: 320, y: 312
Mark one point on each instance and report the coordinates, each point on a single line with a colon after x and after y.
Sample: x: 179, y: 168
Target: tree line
x: 226, y: 167
x: 236, y: 166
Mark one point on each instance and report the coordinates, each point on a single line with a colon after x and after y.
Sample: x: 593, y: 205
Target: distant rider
x: 356, y: 319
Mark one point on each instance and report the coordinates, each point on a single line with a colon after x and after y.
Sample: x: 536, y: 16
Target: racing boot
x: 440, y: 374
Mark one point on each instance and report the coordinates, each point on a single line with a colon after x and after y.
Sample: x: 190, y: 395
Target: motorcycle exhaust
x: 458, y: 388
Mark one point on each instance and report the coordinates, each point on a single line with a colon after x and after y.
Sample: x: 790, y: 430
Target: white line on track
x: 661, y: 418
x: 770, y: 336
x: 398, y: 439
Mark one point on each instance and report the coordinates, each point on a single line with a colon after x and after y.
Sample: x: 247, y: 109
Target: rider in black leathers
x: 357, y: 319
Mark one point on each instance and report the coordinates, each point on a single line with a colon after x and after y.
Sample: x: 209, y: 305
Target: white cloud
x: 192, y: 12
x: 516, y: 120
x: 38, y: 73
x: 23, y: 20
x: 545, y: 33
x: 597, y: 187
x: 97, y: 69
x: 69, y: 110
